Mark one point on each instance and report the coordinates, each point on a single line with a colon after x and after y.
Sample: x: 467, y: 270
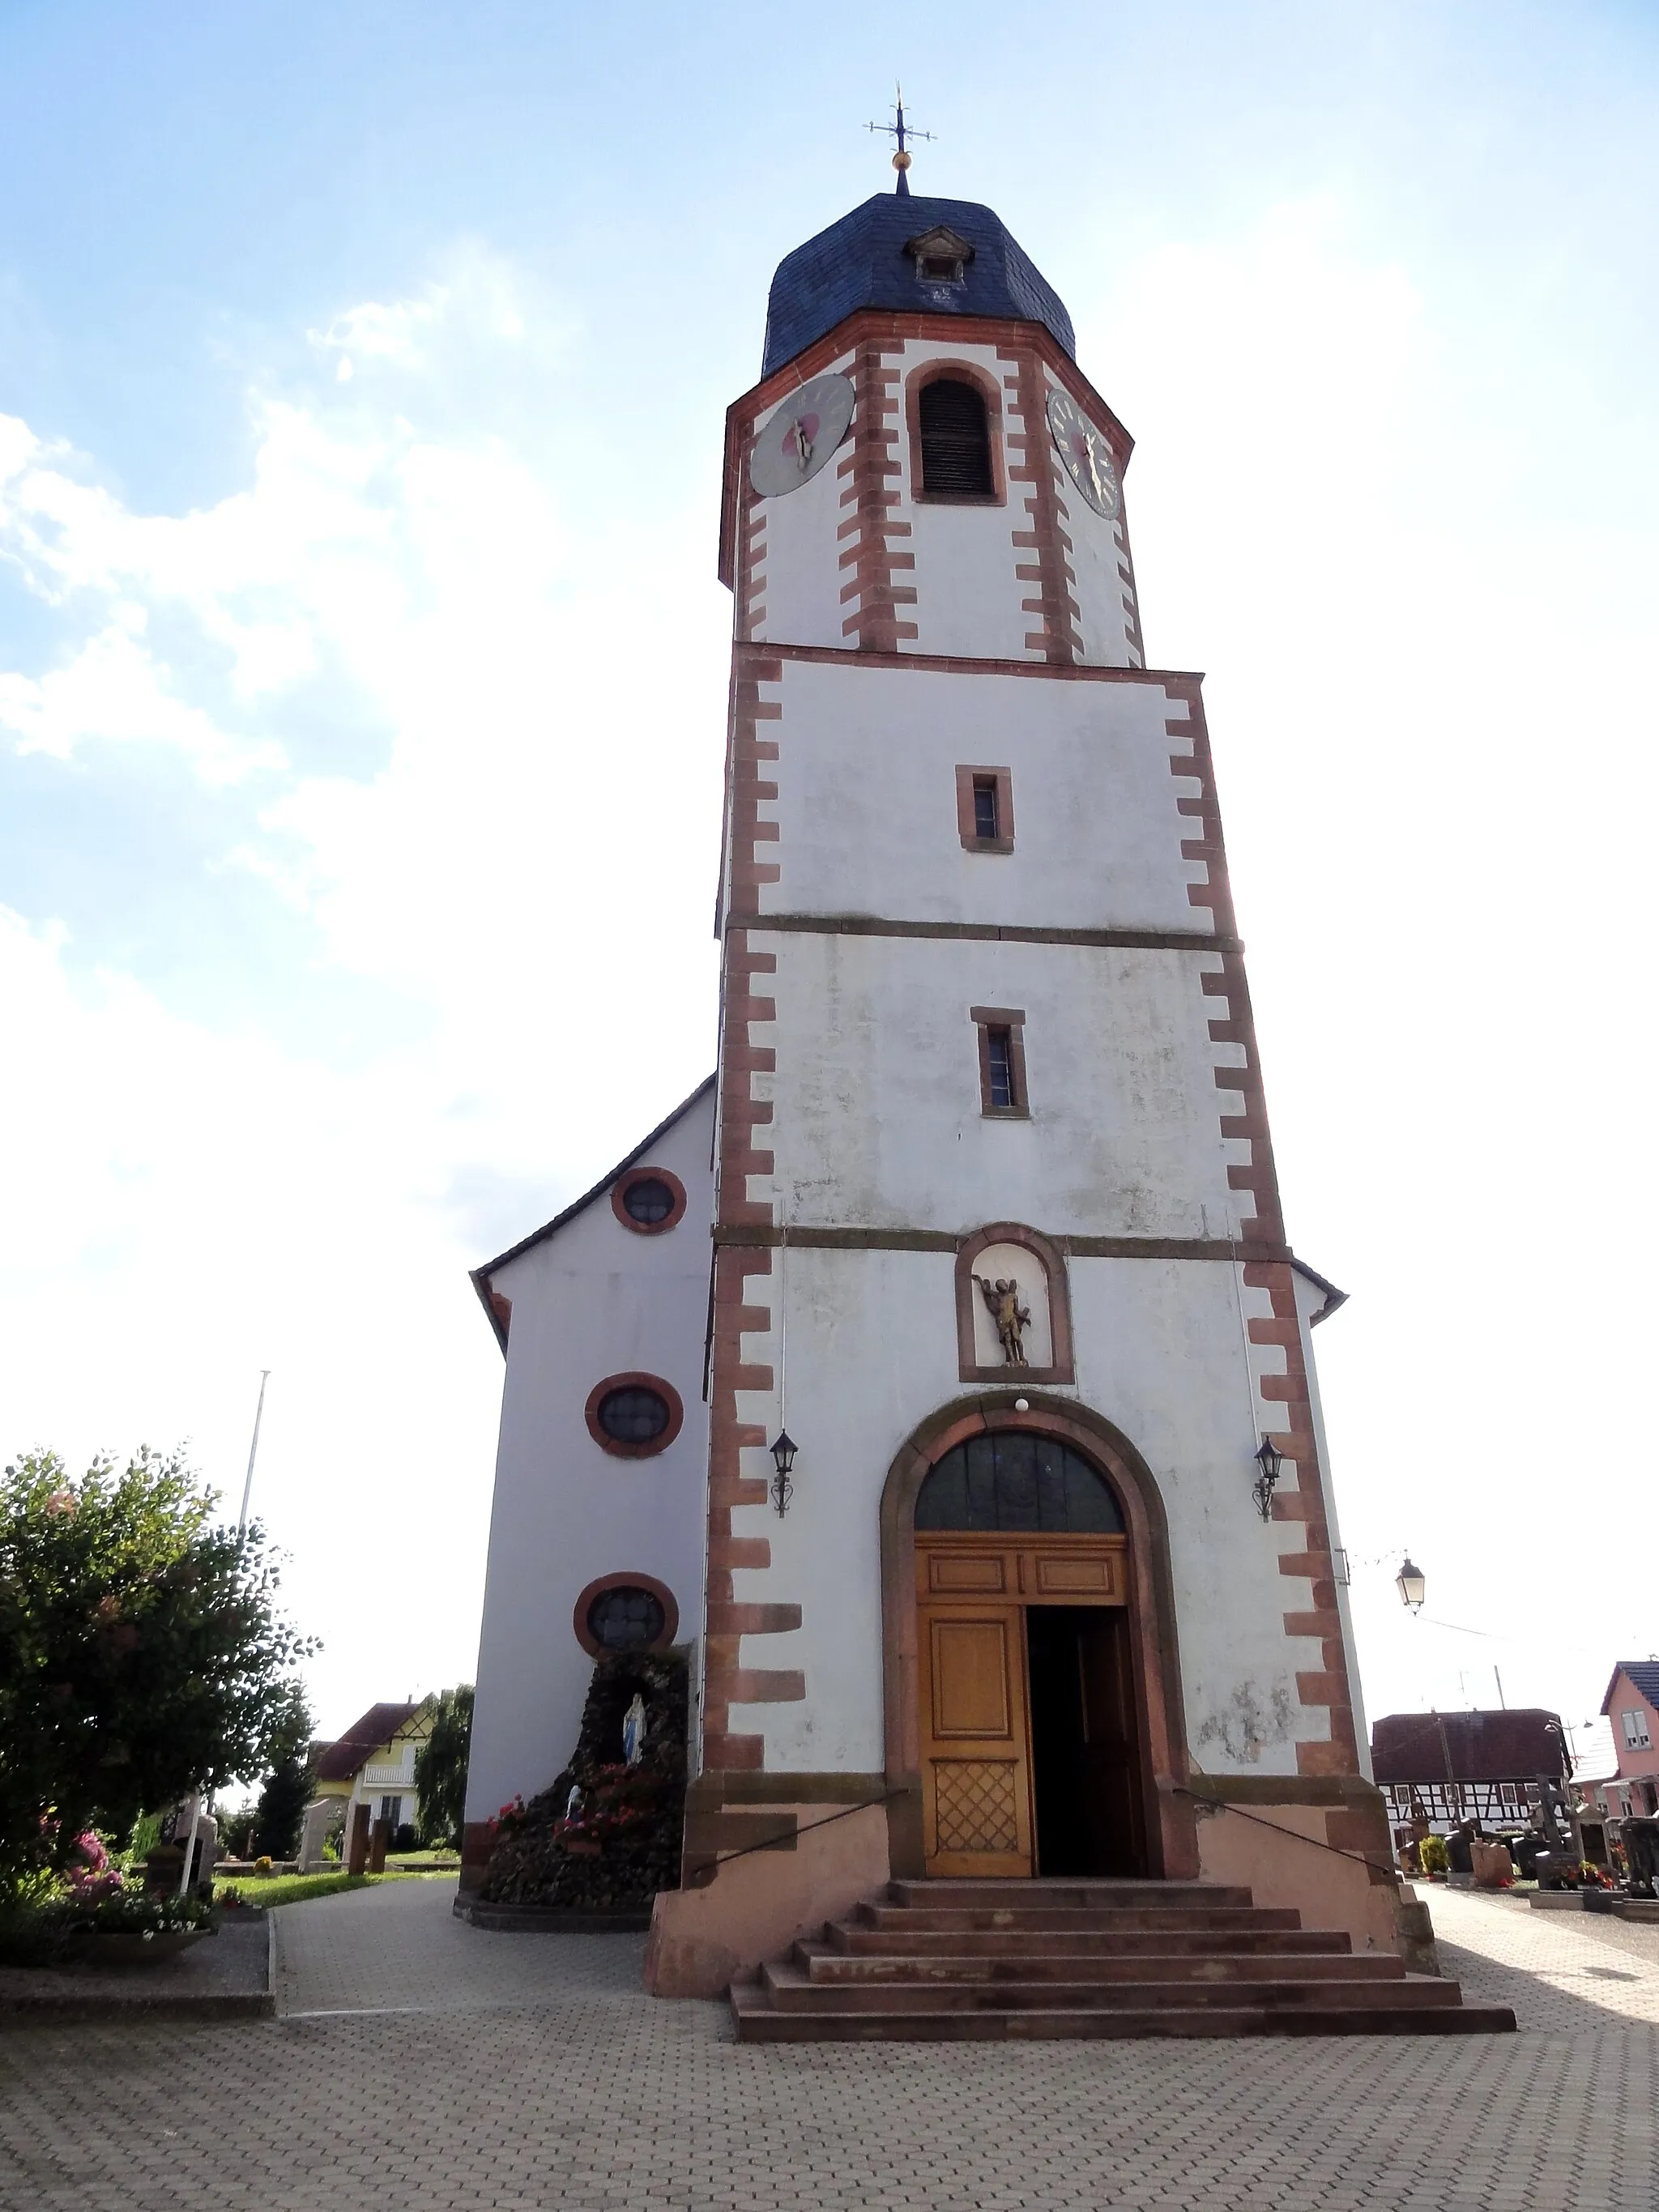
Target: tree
x: 142, y: 1656
x: 282, y: 1802
x: 440, y: 1768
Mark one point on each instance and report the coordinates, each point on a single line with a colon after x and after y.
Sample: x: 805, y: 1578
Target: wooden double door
x: 1030, y: 1742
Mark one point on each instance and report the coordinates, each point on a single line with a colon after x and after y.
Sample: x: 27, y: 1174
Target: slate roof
x: 1643, y: 1676
x: 861, y: 262
x: 341, y: 1760
x: 1484, y: 1747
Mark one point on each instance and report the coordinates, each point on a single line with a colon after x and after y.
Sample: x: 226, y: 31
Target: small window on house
x: 634, y: 1416
x: 1635, y: 1731
x: 985, y: 808
x: 1001, y: 1059
x: 648, y: 1200
x: 1000, y: 1053
x: 939, y: 268
x: 626, y: 1617
x: 956, y: 441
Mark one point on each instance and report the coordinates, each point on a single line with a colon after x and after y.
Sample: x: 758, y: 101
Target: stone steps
x: 823, y: 1964
x: 790, y: 1988
x: 1059, y: 1919
x: 977, y: 1959
x: 757, y: 2021
x: 858, y: 1940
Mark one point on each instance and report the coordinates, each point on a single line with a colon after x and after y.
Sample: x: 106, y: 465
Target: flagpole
x: 253, y: 1449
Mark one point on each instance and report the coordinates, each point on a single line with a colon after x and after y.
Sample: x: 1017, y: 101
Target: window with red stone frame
x: 1001, y: 1033
x: 942, y: 371
x: 985, y: 808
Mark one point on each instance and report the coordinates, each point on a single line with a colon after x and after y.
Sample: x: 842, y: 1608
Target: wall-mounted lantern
x: 1411, y: 1585
x: 1269, y: 1461
x: 783, y: 1459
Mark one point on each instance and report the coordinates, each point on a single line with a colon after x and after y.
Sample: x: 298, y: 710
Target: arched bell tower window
x: 956, y: 441
x: 1012, y: 1481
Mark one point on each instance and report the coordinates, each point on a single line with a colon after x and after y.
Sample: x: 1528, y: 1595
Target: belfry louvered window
x: 956, y: 442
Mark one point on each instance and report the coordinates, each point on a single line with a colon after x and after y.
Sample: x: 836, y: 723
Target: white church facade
x: 979, y: 1211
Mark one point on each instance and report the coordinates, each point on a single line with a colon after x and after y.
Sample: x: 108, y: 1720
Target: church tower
x: 997, y: 1236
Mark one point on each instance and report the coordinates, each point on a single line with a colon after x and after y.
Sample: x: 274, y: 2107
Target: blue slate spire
x: 861, y: 262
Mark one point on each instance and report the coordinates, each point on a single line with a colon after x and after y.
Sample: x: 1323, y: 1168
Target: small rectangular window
x: 1001, y: 1060
x: 1000, y: 1050
x: 1635, y: 1731
x: 985, y: 808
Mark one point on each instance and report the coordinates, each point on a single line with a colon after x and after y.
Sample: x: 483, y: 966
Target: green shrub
x: 146, y: 1834
x: 1432, y: 1855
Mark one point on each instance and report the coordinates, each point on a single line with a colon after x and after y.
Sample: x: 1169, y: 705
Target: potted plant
x: 124, y: 1927
x: 104, y: 1919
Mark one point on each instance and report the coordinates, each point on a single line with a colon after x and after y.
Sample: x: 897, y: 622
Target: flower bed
x: 605, y: 1837
x: 97, y: 1910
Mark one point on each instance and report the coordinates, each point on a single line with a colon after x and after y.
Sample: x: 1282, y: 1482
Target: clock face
x: 794, y: 443
x: 1087, y: 456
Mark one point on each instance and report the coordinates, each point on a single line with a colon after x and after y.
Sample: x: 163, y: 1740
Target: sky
x: 363, y: 377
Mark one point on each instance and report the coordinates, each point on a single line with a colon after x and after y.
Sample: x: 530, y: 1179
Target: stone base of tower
x: 743, y: 1905
x: 1324, y: 1850
x: 1319, y: 1848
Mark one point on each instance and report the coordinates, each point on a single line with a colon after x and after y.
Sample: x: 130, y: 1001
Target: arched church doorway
x: 1029, y: 1726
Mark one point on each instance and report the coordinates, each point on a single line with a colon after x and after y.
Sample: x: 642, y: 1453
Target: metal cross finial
x: 901, y: 131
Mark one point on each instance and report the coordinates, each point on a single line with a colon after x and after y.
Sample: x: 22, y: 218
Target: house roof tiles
x: 341, y: 1760
x: 1511, y: 1745
x: 1642, y: 1674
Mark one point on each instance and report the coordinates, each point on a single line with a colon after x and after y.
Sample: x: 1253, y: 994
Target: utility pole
x: 253, y: 1449
x: 241, y: 1529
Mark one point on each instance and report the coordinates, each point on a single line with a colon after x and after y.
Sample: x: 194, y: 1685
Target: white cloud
x: 515, y: 877
x: 115, y: 691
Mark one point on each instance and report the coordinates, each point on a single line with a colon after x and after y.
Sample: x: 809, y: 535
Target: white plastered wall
x: 1105, y: 596
x: 878, y: 1120
x: 970, y: 599
x: 593, y: 1299
x: 799, y: 578
x: 872, y: 1351
x: 867, y: 805
x: 1310, y: 1298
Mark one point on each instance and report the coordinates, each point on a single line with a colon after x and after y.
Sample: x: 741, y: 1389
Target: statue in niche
x: 634, y: 1731
x: 1012, y: 1319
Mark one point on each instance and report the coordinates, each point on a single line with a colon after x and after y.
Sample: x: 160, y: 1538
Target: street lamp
x: 1269, y: 1460
x: 1411, y: 1585
x: 783, y: 1458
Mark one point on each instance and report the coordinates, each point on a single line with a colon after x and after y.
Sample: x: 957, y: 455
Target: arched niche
x: 1004, y: 1252
x: 1171, y: 1827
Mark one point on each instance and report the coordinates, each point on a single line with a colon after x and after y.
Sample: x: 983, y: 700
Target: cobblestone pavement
x: 422, y: 2065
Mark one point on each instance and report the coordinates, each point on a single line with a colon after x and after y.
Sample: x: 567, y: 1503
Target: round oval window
x: 626, y: 1618
x: 633, y: 1415
x: 648, y: 1201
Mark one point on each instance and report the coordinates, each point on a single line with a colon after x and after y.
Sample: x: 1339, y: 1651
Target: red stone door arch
x: 1170, y: 1840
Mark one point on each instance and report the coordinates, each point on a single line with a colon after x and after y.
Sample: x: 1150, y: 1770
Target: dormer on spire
x: 941, y: 254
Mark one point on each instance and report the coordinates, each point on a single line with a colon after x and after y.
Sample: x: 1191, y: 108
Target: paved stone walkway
x: 422, y: 2065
